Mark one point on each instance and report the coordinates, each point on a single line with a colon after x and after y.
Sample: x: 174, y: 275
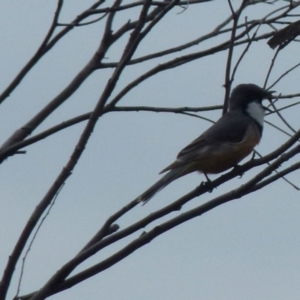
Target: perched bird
x: 224, y: 144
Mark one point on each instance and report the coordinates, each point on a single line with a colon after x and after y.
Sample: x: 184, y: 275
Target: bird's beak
x: 269, y: 95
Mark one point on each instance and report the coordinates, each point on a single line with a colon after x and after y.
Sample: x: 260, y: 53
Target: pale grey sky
x: 245, y: 249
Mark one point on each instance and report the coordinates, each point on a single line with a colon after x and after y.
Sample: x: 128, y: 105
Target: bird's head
x: 243, y: 94
x: 248, y: 99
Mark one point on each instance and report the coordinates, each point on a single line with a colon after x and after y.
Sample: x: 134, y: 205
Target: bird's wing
x: 230, y: 128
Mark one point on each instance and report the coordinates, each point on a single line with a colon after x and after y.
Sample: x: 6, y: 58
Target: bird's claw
x: 238, y: 169
x: 207, y: 184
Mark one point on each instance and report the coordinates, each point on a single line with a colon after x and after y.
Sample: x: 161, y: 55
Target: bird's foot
x: 207, y: 184
x: 238, y: 169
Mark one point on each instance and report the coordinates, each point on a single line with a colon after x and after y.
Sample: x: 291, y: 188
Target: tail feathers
x: 159, y: 185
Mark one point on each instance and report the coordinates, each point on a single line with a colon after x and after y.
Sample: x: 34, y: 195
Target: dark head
x: 244, y: 94
x: 247, y: 98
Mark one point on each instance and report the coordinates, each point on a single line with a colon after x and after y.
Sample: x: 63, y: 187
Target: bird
x: 224, y: 144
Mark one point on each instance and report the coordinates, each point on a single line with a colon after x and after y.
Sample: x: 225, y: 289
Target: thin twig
x: 227, y: 84
x: 32, y: 241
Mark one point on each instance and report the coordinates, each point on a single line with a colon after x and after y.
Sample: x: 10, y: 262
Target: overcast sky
x: 246, y: 249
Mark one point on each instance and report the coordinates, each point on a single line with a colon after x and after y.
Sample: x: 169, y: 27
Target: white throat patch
x: 257, y: 112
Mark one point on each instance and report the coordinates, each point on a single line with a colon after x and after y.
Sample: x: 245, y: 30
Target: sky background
x: 245, y: 249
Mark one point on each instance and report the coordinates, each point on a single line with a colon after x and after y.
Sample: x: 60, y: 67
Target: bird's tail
x: 159, y: 185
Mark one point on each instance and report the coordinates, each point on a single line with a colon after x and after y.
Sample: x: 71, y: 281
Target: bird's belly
x: 218, y: 162
x: 226, y: 156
